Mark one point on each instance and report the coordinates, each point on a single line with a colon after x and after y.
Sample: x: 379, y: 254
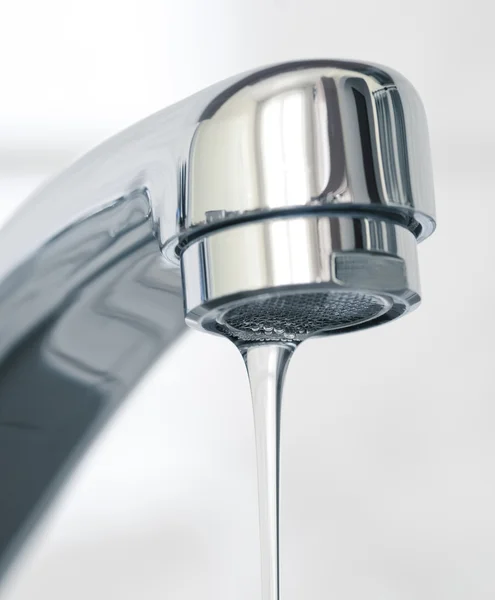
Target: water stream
x: 266, y: 365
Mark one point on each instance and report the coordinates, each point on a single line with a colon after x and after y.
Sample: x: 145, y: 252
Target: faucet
x: 279, y: 204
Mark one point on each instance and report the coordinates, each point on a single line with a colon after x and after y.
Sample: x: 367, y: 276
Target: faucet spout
x: 305, y: 184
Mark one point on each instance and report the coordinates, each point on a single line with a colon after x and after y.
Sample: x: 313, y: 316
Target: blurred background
x: 388, y: 461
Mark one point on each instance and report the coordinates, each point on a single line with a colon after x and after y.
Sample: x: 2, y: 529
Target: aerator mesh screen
x: 295, y: 317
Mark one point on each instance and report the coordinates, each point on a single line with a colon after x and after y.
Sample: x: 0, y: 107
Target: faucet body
x: 99, y: 266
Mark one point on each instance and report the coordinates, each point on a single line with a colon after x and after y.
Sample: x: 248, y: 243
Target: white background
x: 389, y: 434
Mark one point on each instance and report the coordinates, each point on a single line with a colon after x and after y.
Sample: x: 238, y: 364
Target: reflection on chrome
x: 292, y: 178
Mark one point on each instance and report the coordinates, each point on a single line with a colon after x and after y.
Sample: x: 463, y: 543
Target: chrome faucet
x: 279, y: 204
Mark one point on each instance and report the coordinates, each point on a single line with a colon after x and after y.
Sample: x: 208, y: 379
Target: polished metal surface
x: 291, y: 157
x: 296, y: 255
x: 317, y: 135
x: 81, y: 321
x: 297, y: 136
